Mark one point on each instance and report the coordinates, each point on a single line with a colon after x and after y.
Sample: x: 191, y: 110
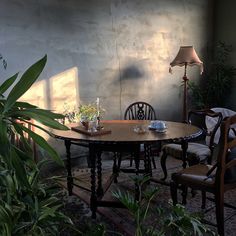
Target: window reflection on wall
x: 55, y: 92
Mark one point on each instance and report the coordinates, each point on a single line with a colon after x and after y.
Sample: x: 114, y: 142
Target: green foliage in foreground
x: 176, y: 221
x: 27, y: 205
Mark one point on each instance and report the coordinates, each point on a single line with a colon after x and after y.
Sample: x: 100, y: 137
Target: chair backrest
x: 226, y: 159
x: 140, y: 111
x: 198, y: 118
x: 212, y: 121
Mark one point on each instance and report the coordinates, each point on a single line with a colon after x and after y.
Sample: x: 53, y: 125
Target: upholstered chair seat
x: 200, y: 150
x: 196, y: 151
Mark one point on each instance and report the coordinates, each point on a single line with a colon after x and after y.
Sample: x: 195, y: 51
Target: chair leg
x: 115, y: 168
x: 153, y: 162
x: 192, y: 163
x: 184, y: 194
x: 173, y: 191
x: 203, y: 200
x: 116, y: 165
x: 163, y: 164
x: 131, y: 161
x: 220, y: 212
x: 119, y: 157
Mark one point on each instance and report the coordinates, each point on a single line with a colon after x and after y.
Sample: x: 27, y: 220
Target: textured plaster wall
x: 117, y: 50
x: 225, y: 18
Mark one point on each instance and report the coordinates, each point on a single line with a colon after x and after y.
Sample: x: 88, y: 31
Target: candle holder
x: 98, y: 125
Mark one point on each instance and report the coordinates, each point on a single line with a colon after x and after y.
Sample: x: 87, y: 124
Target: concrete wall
x: 224, y: 30
x: 117, y: 50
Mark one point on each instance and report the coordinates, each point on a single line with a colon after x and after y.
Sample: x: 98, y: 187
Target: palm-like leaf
x: 26, y: 81
x: 43, y: 143
x: 27, y: 206
x: 7, y: 84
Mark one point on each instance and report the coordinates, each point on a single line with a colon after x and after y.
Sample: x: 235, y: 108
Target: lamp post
x: 186, y: 56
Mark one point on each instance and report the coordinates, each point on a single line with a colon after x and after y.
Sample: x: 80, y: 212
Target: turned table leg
x: 68, y: 167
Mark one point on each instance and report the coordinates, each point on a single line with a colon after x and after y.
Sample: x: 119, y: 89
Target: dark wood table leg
x: 68, y: 167
x: 147, y: 159
x: 184, y: 146
x: 99, y: 173
x: 93, y: 198
x: 115, y: 167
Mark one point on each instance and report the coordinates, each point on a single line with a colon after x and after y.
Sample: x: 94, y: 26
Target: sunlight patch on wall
x: 53, y: 94
x: 36, y: 94
x: 64, y: 90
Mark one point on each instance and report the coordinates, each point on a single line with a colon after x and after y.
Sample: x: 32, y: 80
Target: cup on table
x: 158, y: 125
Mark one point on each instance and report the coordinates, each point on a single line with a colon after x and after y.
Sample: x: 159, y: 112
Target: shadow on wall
x: 127, y: 82
x: 132, y: 72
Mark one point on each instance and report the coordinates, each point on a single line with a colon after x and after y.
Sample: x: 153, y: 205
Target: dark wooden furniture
x: 217, y: 178
x: 202, y: 149
x: 122, y: 138
x: 225, y: 113
x: 141, y: 111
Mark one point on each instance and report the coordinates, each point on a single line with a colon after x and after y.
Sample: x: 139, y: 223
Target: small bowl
x: 139, y: 129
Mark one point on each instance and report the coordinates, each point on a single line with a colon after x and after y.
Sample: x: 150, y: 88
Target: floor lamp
x: 186, y: 56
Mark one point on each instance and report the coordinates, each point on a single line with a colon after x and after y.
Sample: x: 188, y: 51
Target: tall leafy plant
x: 217, y: 82
x: 27, y: 205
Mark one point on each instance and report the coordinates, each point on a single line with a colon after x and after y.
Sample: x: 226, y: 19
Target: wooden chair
x: 137, y: 111
x: 202, y: 149
x: 217, y: 178
x: 140, y: 111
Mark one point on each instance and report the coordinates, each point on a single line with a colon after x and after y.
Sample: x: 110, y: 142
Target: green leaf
x: 47, y: 113
x: 37, y: 126
x: 19, y: 168
x: 4, y: 142
x: 6, y: 85
x: 48, y: 211
x: 24, y: 105
x: 26, y: 81
x: 127, y: 200
x: 42, y: 118
x: 43, y: 143
x: 25, y: 144
x: 24, y: 157
x: 5, y: 215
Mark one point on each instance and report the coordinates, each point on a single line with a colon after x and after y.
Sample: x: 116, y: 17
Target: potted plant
x: 217, y: 83
x: 89, y: 114
x: 28, y: 206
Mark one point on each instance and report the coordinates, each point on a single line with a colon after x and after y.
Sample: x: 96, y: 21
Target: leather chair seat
x: 196, y: 175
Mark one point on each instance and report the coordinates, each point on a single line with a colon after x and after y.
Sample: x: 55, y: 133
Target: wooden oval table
x: 122, y: 138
